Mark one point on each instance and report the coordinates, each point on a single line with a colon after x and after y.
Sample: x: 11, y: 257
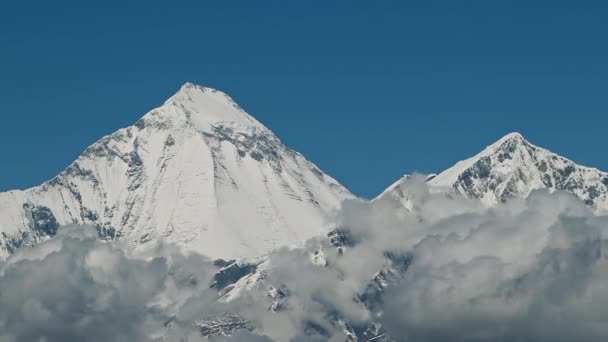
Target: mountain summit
x: 202, y: 107
x: 197, y: 171
x: 511, y: 167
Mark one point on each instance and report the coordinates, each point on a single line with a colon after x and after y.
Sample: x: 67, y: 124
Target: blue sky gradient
x: 368, y: 90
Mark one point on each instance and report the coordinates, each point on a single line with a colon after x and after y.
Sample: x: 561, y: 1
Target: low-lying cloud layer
x: 76, y: 288
x: 528, y: 270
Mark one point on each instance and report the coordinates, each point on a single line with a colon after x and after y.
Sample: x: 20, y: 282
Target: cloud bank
x: 76, y: 288
x: 528, y: 270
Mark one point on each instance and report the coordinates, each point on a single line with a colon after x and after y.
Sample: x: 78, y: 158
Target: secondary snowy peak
x: 511, y: 167
x: 197, y: 171
x: 511, y: 151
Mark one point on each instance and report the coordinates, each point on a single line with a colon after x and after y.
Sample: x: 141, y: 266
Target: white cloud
x: 528, y: 270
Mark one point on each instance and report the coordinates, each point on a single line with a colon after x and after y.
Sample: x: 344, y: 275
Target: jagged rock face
x: 371, y: 296
x: 223, y: 326
x: 340, y: 239
x: 514, y: 167
x: 197, y: 171
x: 397, y: 265
x: 230, y: 274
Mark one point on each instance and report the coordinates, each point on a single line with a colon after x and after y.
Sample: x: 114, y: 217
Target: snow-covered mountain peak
x: 511, y: 167
x: 513, y: 136
x: 189, y: 92
x: 507, y: 143
x: 197, y: 171
x: 201, y: 108
x: 511, y: 151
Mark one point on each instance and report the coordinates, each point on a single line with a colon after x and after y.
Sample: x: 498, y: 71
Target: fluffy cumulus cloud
x: 528, y: 271
x: 76, y: 288
x: 531, y: 269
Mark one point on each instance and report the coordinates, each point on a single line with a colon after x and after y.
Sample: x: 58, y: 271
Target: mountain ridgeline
x: 200, y: 172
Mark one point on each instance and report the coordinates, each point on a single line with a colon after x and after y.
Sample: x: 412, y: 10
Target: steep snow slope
x: 514, y: 167
x: 197, y: 171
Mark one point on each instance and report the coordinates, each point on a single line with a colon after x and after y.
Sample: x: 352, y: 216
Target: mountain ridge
x: 199, y: 166
x: 510, y: 167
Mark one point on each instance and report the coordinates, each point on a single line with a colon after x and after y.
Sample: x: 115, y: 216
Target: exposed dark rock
x: 547, y: 181
x: 231, y: 274
x: 340, y: 238
x: 223, y: 326
x: 141, y: 123
x: 170, y: 141
x: 107, y: 233
x: 567, y: 171
x: 398, y: 264
x: 277, y: 298
x: 480, y: 170
x: 509, y: 190
x: 12, y: 243
x: 88, y: 215
x: 42, y: 220
x: 258, y: 145
x: 221, y: 263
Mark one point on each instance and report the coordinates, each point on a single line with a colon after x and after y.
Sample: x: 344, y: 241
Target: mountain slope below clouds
x: 514, y: 167
x: 197, y: 171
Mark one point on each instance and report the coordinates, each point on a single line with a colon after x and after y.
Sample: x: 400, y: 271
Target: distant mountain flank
x: 513, y: 167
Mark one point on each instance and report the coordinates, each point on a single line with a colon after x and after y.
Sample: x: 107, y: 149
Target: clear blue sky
x: 368, y: 90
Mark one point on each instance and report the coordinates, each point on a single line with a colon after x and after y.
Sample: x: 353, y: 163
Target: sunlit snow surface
x: 197, y: 171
